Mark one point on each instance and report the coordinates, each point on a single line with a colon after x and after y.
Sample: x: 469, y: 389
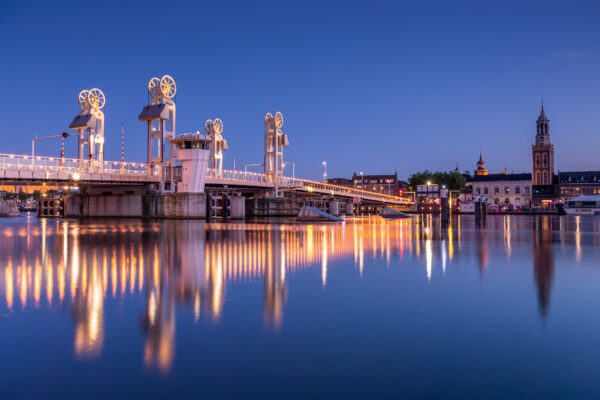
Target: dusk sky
x: 391, y: 85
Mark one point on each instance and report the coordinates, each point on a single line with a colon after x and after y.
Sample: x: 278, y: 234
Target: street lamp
x: 325, y: 171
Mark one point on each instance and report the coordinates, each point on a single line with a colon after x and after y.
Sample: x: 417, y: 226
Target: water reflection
x: 543, y: 261
x: 172, y: 264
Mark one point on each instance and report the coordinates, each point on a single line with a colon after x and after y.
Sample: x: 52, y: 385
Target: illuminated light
x: 23, y: 283
x: 9, y: 285
x: 37, y: 284
x: 324, y: 260
x: 428, y: 258
x: 76, y: 176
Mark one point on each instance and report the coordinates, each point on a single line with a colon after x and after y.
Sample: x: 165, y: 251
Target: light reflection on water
x: 79, y: 265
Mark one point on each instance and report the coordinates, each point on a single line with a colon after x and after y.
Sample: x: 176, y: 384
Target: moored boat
x: 583, y: 205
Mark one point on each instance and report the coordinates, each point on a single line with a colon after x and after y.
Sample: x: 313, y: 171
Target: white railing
x: 238, y: 176
x: 21, y: 163
x: 302, y: 184
x: 321, y: 187
x: 75, y: 169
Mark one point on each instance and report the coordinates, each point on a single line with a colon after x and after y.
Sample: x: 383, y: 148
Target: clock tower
x: 542, y: 152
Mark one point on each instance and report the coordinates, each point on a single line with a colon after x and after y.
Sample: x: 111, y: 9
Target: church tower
x: 481, y: 166
x: 542, y: 152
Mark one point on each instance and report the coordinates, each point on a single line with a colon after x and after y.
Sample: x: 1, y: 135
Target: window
x: 485, y: 190
x: 545, y: 180
x: 517, y: 190
x: 478, y: 191
x: 545, y: 160
x: 537, y: 160
x: 537, y: 178
x: 507, y: 190
x: 496, y: 190
x: 526, y: 189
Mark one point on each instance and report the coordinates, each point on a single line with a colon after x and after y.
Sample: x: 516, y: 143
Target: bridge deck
x: 22, y: 169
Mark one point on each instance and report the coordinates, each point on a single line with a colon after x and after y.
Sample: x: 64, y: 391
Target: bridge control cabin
x: 192, y: 150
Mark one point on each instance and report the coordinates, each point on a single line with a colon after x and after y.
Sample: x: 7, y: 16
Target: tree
x: 452, y: 179
x: 22, y: 196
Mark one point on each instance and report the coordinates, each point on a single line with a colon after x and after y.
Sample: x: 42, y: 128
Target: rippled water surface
x: 368, y: 308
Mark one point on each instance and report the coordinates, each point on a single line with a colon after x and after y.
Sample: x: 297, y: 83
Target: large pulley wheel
x: 278, y: 119
x: 168, y: 87
x: 83, y: 98
x: 96, y: 98
x: 218, y: 126
x: 268, y: 119
x: 154, y: 87
x: 208, y: 126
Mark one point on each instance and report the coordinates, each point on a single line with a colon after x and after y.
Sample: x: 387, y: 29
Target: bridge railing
x: 240, y: 176
x: 22, y: 163
x: 304, y: 184
x: 311, y: 186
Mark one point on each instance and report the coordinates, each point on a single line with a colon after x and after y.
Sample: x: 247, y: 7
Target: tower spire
x: 481, y: 165
x: 542, y: 107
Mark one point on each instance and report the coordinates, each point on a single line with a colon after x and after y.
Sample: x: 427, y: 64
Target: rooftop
x: 500, y: 177
x: 579, y: 177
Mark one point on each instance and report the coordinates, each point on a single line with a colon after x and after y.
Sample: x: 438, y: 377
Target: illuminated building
x: 481, y: 166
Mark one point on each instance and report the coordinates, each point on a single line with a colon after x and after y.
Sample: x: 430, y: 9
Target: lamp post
x: 325, y: 172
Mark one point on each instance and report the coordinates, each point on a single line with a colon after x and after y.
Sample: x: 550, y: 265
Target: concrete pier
x: 291, y: 206
x: 174, y: 205
x: 149, y: 205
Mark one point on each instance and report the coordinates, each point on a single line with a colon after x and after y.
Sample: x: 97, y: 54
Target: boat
x: 583, y: 205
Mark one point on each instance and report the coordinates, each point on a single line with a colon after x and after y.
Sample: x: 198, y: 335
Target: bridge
x: 38, y: 170
x: 179, y: 165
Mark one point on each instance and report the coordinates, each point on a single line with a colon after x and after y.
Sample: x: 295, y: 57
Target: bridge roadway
x: 22, y: 169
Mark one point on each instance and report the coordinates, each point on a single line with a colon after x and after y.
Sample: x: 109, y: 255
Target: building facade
x: 510, y: 190
x: 385, y: 184
x: 341, y: 182
x: 573, y: 184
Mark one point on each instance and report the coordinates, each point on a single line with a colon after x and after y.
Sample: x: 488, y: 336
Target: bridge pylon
x: 89, y: 124
x: 275, y: 141
x: 218, y: 144
x: 160, y: 116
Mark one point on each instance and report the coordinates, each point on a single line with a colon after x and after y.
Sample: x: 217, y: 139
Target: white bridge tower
x: 89, y: 124
x: 160, y: 116
x: 275, y: 141
x: 218, y: 144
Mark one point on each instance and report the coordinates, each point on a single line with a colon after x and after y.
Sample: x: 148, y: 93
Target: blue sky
x: 371, y: 86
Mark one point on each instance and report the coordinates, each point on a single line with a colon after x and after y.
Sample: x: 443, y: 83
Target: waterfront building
x: 572, y: 184
x: 511, y: 190
x: 341, y: 182
x: 385, y: 184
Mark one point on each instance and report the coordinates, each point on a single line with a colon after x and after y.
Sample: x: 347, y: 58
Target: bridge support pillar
x: 237, y: 206
x: 349, y: 209
x: 334, y: 207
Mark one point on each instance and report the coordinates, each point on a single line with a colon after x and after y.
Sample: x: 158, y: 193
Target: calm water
x: 370, y: 308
